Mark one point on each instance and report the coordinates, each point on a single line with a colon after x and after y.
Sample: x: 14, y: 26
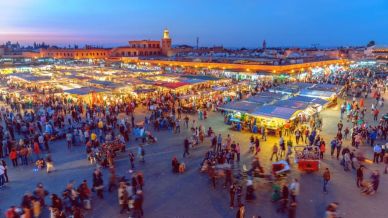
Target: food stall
x: 237, y: 113
x: 88, y: 94
x: 274, y: 117
x: 329, y: 96
x: 290, y: 88
x: 307, y: 158
x: 317, y: 103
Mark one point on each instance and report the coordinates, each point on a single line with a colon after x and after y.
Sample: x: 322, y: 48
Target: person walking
x: 228, y: 177
x: 112, y: 178
x: 294, y: 189
x: 98, y: 183
x: 69, y: 139
x: 49, y: 164
x: 238, y: 151
x: 385, y: 159
x: 331, y: 210
x: 375, y: 114
x: 275, y: 150
x: 36, y: 151
x: 241, y: 211
x: 333, y: 145
x: 2, y: 177
x: 339, y: 148
x: 123, y: 197
x: 326, y: 179
x: 232, y: 192
x: 141, y: 153
x: 257, y: 145
x: 360, y: 176
x: 4, y: 164
x: 284, y: 198
x: 131, y: 159
x: 186, y: 145
x: 219, y: 143
x: 297, y: 136
x: 13, y: 157
x: 376, y: 153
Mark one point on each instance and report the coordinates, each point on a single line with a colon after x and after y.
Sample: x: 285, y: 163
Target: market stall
x: 326, y: 95
x: 273, y: 117
x: 317, y: 103
x: 290, y: 88
x: 238, y: 114
x: 88, y: 94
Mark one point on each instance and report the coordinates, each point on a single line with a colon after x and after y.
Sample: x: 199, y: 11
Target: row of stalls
x: 281, y: 107
x: 96, y: 85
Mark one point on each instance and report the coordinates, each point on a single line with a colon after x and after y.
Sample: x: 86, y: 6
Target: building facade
x: 380, y: 54
x: 64, y: 53
x: 134, y: 49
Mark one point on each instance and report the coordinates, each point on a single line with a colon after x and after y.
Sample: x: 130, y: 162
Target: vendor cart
x: 188, y: 109
x: 280, y: 168
x: 114, y: 145
x: 307, y: 158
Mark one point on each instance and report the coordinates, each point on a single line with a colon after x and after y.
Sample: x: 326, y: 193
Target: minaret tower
x: 166, y: 43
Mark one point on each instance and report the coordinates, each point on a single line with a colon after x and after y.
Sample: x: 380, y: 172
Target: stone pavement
x: 190, y: 194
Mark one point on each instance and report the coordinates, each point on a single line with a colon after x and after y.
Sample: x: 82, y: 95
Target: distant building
x: 134, y: 49
x: 2, y: 51
x: 380, y: 54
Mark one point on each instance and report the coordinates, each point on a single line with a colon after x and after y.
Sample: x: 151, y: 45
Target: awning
x: 85, y: 90
x: 274, y: 111
x: 326, y: 87
x: 317, y: 93
x: 260, y: 100
x: 192, y: 80
x: 309, y: 100
x: 107, y: 84
x: 239, y: 106
x: 171, y: 85
x: 201, y: 77
x: 299, y: 105
x: 220, y: 88
x: 28, y: 77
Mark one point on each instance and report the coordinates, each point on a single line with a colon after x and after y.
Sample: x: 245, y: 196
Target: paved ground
x: 190, y: 194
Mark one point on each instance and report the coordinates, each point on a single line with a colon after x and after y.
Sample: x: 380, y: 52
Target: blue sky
x: 231, y: 23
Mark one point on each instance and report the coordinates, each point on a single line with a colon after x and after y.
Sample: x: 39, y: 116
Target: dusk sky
x: 231, y: 23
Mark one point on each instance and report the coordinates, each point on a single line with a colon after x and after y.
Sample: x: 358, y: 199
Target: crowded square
x: 193, y: 109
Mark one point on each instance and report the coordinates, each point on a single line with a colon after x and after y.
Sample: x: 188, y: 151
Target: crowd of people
x: 104, y: 130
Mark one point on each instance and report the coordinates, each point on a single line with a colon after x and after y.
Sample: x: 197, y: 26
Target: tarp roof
x: 240, y: 106
x: 273, y: 95
x: 309, y: 100
x: 220, y: 88
x: 28, y: 77
x: 209, y: 78
x: 316, y: 93
x: 291, y: 88
x: 172, y: 85
x: 326, y: 87
x: 274, y: 111
x: 77, y: 77
x: 85, y: 90
x: 140, y: 91
x: 104, y: 83
x: 260, y: 100
x: 299, y: 105
x: 192, y: 80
